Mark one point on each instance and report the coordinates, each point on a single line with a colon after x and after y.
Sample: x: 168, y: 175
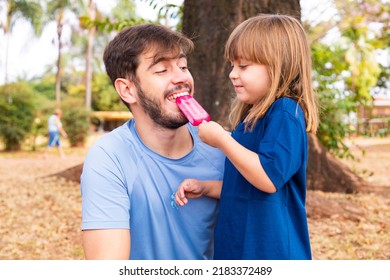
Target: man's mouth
x: 173, y: 97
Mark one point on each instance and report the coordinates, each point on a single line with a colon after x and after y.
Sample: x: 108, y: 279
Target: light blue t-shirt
x: 126, y: 185
x: 51, y: 123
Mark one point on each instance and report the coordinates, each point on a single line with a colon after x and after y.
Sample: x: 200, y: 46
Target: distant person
x: 130, y: 174
x: 55, y: 130
x: 262, y: 202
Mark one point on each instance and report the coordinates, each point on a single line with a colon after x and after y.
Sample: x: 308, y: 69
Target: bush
x: 16, y: 114
x: 75, y: 121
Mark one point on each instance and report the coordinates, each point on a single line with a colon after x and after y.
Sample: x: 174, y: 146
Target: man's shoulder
x: 115, y: 148
x: 116, y: 139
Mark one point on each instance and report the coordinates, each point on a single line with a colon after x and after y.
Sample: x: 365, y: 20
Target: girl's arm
x: 246, y: 161
x: 191, y: 188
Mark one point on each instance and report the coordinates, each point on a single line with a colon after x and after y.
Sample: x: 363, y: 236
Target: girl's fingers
x: 180, y: 198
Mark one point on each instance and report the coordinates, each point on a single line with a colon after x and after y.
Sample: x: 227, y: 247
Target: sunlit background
x: 29, y: 56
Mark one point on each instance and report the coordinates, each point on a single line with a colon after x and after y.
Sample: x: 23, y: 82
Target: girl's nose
x: 233, y: 74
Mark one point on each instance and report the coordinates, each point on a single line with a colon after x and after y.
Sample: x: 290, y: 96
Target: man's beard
x: 152, y: 108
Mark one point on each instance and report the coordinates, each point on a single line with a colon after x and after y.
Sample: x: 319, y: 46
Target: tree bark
x: 59, y: 57
x: 209, y: 24
x: 327, y: 173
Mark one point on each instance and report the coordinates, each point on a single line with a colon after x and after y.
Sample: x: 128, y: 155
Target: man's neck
x: 172, y: 143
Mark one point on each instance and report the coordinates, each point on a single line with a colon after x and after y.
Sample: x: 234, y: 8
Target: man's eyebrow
x: 164, y: 58
x: 156, y: 61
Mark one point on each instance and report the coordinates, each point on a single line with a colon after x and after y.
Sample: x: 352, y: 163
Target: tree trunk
x: 89, y: 57
x: 326, y: 173
x: 209, y: 24
x: 59, y: 55
x: 7, y: 43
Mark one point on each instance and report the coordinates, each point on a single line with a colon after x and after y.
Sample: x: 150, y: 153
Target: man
x: 55, y: 129
x: 131, y: 173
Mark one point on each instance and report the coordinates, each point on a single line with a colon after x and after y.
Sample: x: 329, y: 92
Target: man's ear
x: 126, y: 90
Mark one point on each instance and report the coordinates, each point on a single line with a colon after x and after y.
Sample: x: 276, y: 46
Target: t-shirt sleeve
x: 105, y: 199
x: 281, y: 150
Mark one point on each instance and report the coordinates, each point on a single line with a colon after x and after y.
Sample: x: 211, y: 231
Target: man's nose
x: 180, y: 75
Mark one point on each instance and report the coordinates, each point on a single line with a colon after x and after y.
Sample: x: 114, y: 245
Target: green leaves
x: 346, y: 71
x: 107, y: 24
x: 16, y: 114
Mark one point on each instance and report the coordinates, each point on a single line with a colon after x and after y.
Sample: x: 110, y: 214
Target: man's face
x: 159, y: 80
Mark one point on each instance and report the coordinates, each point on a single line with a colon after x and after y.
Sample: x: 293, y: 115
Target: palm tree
x: 123, y: 10
x: 56, y: 10
x: 17, y: 9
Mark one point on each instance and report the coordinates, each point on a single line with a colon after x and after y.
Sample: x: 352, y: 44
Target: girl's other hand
x: 189, y: 188
x: 212, y: 133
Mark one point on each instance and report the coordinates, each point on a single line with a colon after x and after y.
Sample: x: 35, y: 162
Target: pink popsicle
x: 192, y: 109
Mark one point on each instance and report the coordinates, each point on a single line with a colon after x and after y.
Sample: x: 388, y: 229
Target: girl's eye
x: 184, y: 67
x: 243, y: 66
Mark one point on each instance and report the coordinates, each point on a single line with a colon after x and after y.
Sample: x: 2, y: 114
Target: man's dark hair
x: 121, y: 56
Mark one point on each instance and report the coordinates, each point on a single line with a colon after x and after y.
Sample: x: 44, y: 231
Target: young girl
x: 262, y: 203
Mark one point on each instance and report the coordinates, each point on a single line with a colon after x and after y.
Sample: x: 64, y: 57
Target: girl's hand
x: 212, y: 133
x: 189, y: 188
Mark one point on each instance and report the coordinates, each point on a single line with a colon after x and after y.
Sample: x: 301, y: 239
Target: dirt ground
x: 355, y: 226
x: 40, y: 213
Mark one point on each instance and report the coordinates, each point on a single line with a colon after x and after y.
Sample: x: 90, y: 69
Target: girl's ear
x: 126, y: 90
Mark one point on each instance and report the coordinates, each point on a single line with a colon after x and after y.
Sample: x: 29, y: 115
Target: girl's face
x: 251, y: 80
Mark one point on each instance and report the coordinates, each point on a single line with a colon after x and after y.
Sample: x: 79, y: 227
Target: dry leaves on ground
x: 41, y: 213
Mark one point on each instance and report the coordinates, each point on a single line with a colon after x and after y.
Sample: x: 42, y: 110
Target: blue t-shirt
x: 126, y: 185
x: 256, y: 225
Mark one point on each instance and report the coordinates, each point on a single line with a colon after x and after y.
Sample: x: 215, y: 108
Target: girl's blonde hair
x: 279, y: 42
